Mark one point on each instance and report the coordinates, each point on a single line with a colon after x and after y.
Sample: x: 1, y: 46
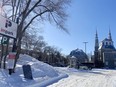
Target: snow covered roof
x: 78, y: 53
x: 73, y: 57
x: 107, y: 44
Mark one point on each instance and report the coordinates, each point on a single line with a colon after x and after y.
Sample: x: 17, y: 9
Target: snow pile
x: 46, y: 75
x: 43, y: 69
x: 43, y: 74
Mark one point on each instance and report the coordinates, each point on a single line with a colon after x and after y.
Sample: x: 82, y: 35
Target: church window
x: 106, y: 43
x: 106, y: 62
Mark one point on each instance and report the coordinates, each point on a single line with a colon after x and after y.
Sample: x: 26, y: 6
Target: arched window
x: 106, y: 43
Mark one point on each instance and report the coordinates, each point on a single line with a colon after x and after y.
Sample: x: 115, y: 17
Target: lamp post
x: 85, y: 45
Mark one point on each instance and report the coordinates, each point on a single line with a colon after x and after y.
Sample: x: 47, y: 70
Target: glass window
x: 106, y: 63
x: 106, y: 43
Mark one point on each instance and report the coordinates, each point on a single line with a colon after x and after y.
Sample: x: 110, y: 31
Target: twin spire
x: 97, y: 41
x: 109, y: 36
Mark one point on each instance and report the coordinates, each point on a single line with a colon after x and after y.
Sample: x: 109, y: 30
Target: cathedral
x: 104, y: 53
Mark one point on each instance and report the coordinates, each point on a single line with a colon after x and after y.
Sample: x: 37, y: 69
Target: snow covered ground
x: 86, y: 78
x: 45, y: 75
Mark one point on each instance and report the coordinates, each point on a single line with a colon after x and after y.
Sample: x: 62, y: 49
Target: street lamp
x: 85, y: 45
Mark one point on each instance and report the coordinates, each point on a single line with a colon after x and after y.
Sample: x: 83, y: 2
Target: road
x: 87, y: 78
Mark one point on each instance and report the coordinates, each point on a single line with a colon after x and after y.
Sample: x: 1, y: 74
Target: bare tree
x: 31, y: 41
x: 51, y: 54
x: 25, y: 12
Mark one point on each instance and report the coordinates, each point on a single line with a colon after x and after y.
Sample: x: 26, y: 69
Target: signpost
x: 5, y: 40
x: 12, y: 55
x: 11, y: 60
x: 7, y: 27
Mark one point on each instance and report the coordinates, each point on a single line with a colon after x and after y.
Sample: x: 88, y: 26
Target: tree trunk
x: 2, y: 52
x: 14, y: 46
x: 18, y: 39
x: 17, y: 52
x: 4, y: 64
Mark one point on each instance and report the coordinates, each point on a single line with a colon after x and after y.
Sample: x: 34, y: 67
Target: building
x: 105, y: 52
x: 73, y: 62
x: 77, y: 57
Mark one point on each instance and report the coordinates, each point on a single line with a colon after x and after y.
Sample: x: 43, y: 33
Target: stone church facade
x: 105, y: 52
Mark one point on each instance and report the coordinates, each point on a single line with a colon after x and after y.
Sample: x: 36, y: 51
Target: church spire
x: 96, y: 35
x: 96, y: 41
x: 96, y: 52
x: 109, y: 37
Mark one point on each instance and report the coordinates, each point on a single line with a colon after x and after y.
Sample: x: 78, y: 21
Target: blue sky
x: 84, y: 17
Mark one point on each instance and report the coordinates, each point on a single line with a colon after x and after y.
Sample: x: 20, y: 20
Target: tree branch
x: 26, y: 8
x: 4, y: 2
x: 17, y: 8
x: 32, y: 8
x: 33, y: 19
x: 51, y: 10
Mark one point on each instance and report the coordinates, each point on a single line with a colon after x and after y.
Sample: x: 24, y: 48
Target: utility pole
x: 85, y: 45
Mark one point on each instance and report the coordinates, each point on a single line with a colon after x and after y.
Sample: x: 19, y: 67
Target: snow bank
x: 50, y: 81
x: 39, y: 69
x: 43, y: 74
